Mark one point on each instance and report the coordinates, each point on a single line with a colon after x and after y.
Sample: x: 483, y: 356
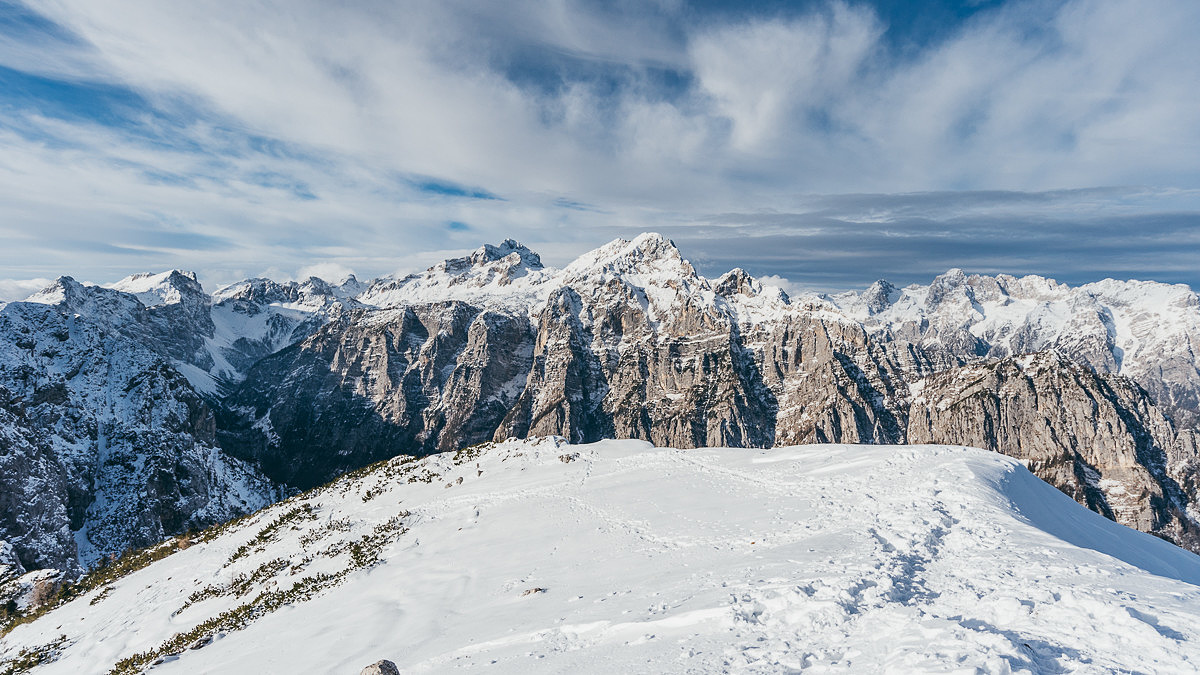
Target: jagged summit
x: 736, y: 281
x: 647, y: 256
x: 508, y: 273
x: 60, y: 290
x: 263, y: 290
x: 879, y: 296
x: 163, y: 288
x: 488, y: 253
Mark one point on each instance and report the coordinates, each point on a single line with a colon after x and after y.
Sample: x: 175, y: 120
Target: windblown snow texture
x: 622, y: 557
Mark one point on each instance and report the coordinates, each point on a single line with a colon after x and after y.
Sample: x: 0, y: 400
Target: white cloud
x: 13, y: 290
x: 791, y: 288
x: 764, y: 74
x: 256, y: 107
x: 329, y: 271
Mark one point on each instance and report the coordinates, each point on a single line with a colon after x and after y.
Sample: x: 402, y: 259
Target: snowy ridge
x: 165, y: 288
x: 1138, y: 320
x: 1124, y: 327
x: 509, y: 274
x: 621, y: 557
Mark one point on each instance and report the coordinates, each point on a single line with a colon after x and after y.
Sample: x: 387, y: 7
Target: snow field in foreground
x: 620, y: 557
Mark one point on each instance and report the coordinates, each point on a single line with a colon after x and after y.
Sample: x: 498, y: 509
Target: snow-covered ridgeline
x: 1125, y: 327
x: 620, y: 557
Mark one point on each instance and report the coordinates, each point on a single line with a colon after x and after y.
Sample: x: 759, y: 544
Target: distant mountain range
x: 134, y: 412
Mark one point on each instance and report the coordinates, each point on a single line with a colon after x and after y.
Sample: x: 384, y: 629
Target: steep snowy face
x: 647, y: 257
x: 1154, y: 330
x: 622, y: 557
x: 257, y: 317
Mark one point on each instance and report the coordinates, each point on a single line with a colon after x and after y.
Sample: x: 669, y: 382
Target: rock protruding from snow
x: 381, y: 667
x: 736, y: 282
x: 879, y: 296
x: 32, y: 589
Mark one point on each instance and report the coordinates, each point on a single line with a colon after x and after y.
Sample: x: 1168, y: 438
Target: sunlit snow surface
x: 819, y: 558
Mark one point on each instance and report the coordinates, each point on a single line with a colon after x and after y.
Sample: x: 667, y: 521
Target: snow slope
x: 620, y: 557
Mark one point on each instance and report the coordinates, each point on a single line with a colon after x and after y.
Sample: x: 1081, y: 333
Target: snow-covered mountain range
x: 621, y: 557
x: 133, y: 412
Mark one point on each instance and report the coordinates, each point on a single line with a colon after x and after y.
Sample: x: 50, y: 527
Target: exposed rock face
x: 104, y: 446
x: 1095, y: 437
x: 258, y: 317
x: 1146, y: 331
x: 135, y: 412
x: 362, y: 390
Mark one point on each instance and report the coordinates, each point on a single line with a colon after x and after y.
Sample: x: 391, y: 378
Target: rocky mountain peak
x: 647, y: 255
x: 879, y: 296
x: 349, y: 287
x: 310, y: 292
x: 509, y: 260
x: 64, y: 289
x: 509, y: 273
x: 489, y: 253
x: 945, y: 285
x: 164, y: 288
x: 736, y: 282
x: 250, y: 290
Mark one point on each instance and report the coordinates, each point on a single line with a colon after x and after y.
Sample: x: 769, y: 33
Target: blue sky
x: 830, y: 143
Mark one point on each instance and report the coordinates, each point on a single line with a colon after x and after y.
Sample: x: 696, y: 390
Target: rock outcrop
x: 381, y: 667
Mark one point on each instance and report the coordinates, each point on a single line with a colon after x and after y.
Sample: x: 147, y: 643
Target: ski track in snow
x: 814, y: 558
